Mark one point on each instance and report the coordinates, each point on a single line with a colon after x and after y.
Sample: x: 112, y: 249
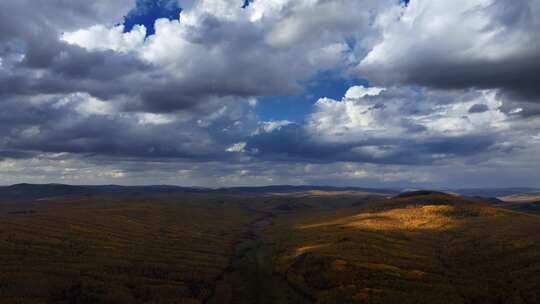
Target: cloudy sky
x: 378, y: 93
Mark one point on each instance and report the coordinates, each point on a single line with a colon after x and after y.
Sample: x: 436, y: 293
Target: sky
x: 213, y: 93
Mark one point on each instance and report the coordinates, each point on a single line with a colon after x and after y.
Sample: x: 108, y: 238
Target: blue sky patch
x: 294, y: 108
x: 246, y: 3
x: 146, y: 12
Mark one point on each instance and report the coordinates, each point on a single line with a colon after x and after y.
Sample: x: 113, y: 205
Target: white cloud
x: 30, y: 132
x: 85, y: 104
x: 99, y: 37
x: 361, y: 91
x: 329, y: 56
x: 252, y: 102
x: 238, y: 147
x: 154, y: 119
x: 270, y: 126
x: 376, y: 113
x: 457, y: 27
x: 93, y: 105
x: 455, y: 118
x: 201, y: 52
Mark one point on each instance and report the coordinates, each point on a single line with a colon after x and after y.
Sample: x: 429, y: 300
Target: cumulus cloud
x: 398, y: 126
x: 83, y: 87
x: 357, y: 92
x: 362, y: 115
x: 98, y: 37
x: 196, y: 55
x: 80, y: 123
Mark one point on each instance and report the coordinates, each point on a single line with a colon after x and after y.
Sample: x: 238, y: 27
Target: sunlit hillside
x: 417, y: 248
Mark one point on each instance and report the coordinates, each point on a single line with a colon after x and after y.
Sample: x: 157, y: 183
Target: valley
x: 295, y: 247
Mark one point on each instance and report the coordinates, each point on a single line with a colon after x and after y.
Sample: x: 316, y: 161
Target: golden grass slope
x: 521, y: 198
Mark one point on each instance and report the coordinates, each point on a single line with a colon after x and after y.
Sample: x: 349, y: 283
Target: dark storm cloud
x: 71, y: 69
x: 22, y: 18
x: 55, y: 125
x: 493, y: 46
x: 7, y: 154
x: 478, y: 108
x: 520, y: 75
x: 526, y: 107
x: 292, y: 143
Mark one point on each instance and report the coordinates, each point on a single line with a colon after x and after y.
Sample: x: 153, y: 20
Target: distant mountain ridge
x: 292, y: 189
x: 496, y: 192
x: 37, y: 191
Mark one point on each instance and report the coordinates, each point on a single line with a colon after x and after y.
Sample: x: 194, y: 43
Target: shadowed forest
x: 306, y: 247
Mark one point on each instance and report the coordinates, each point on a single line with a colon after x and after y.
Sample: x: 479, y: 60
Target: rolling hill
x: 125, y: 245
x: 420, y: 247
